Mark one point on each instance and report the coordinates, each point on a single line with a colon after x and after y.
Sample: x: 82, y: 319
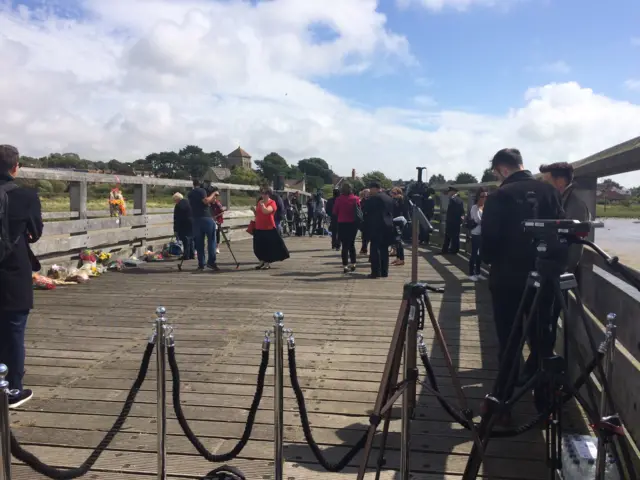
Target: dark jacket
x: 401, y: 208
x: 329, y: 207
x: 505, y: 246
x: 183, y: 219
x: 428, y: 207
x: 25, y: 226
x: 378, y: 219
x: 455, y: 212
x: 281, y: 213
x: 574, y: 209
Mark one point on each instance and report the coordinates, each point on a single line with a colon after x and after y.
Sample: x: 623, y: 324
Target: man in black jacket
x: 507, y: 248
x: 24, y: 226
x: 455, y: 215
x: 378, y: 219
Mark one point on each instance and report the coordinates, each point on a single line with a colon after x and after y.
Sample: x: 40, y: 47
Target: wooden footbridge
x: 85, y: 343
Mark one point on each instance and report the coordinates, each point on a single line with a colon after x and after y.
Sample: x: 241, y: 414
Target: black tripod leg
x: 502, y: 387
x: 383, y: 443
x: 228, y: 243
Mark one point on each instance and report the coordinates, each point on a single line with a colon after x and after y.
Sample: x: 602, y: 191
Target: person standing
x: 217, y: 213
x: 455, y: 215
x: 281, y: 213
x: 333, y: 223
x: 378, y: 217
x: 21, y: 225
x: 511, y: 251
x: 346, y: 210
x: 203, y: 226
x: 400, y: 216
x: 364, y: 197
x: 560, y: 176
x: 475, y: 217
x: 183, y: 225
x: 268, y: 244
x: 428, y: 208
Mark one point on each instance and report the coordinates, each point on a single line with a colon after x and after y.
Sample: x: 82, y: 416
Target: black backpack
x: 6, y: 244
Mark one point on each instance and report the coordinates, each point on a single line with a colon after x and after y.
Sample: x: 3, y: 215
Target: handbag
x: 251, y: 229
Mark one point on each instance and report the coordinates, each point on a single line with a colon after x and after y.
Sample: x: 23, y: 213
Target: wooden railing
x: 602, y: 292
x: 141, y: 228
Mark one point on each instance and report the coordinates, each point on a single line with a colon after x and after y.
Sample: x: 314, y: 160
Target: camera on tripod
x: 568, y: 229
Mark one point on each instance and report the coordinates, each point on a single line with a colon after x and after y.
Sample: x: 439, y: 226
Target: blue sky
x: 484, y: 59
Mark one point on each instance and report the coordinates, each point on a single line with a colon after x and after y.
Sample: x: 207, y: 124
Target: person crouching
x: 268, y: 245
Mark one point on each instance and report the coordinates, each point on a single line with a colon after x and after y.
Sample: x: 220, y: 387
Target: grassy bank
x: 618, y: 211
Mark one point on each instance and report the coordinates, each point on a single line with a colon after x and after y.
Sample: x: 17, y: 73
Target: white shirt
x: 476, y: 216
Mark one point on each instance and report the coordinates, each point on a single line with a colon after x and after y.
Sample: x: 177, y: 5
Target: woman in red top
x: 344, y: 209
x: 268, y: 245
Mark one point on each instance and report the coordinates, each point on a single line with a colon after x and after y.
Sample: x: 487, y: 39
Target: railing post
x: 5, y: 426
x: 140, y: 198
x: 161, y: 349
x: 78, y: 199
x: 601, y: 463
x: 278, y: 395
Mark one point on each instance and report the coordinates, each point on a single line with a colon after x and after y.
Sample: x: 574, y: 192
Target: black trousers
x: 335, y: 236
x: 475, y: 260
x: 451, y: 242
x: 379, y: 253
x: 365, y: 241
x: 347, y: 233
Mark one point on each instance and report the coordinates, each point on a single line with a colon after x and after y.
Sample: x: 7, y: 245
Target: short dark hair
x: 336, y: 192
x: 559, y: 170
x: 375, y: 184
x: 346, y: 188
x: 266, y: 190
x: 9, y: 158
x: 196, y: 183
x: 507, y: 157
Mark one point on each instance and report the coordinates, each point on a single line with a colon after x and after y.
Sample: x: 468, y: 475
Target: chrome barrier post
x: 610, y: 341
x: 161, y: 371
x: 278, y: 394
x: 5, y: 426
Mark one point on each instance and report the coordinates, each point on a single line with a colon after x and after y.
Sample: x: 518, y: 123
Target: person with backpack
x: 20, y: 225
x: 473, y: 224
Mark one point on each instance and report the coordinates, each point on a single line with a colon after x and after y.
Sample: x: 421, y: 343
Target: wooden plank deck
x: 85, y: 344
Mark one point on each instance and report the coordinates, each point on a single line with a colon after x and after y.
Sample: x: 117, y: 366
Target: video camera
x: 544, y: 229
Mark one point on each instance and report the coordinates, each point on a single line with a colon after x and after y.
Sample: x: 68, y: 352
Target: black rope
x: 202, y: 450
x: 511, y: 432
x: 69, y: 474
x: 308, y: 435
x: 225, y: 472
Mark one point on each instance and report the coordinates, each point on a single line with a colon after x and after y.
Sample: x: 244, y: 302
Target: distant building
x: 239, y: 158
x: 295, y: 184
x: 611, y: 193
x: 216, y: 174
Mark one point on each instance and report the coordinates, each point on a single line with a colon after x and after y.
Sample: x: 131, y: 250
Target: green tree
x: 488, y: 176
x: 272, y: 165
x: 217, y: 159
x: 609, y: 184
x: 377, y: 176
x: 244, y: 176
x: 165, y: 164
x: 437, y: 180
x: 464, y: 178
x: 316, y: 167
x: 314, y: 183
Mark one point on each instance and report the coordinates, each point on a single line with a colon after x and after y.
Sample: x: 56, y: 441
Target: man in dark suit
x: 378, y: 218
x: 509, y: 250
x: 455, y: 215
x: 24, y: 226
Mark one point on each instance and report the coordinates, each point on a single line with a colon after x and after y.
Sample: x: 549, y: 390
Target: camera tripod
x: 550, y: 288
x: 415, y: 301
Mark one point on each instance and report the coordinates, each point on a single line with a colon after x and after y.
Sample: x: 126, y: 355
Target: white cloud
x: 140, y: 76
x: 426, y: 101
x: 459, y: 5
x: 632, y: 84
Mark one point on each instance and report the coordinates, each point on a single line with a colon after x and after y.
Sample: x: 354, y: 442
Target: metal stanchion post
x: 161, y: 369
x: 5, y: 426
x: 278, y: 394
x: 604, y: 407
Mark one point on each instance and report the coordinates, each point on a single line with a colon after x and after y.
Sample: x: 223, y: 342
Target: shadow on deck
x: 85, y: 343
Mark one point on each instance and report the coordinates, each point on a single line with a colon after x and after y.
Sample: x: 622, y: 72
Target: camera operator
x: 507, y: 248
x: 560, y: 175
x: 455, y: 215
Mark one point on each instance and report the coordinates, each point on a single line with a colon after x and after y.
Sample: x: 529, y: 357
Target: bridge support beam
x: 78, y: 199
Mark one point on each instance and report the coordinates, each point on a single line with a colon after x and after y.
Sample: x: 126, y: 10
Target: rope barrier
x: 225, y: 472
x: 184, y: 424
x: 308, y: 435
x: 69, y: 474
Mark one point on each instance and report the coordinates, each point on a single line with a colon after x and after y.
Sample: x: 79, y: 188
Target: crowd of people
x: 382, y: 218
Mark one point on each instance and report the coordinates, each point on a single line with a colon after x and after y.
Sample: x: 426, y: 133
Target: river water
x: 621, y: 237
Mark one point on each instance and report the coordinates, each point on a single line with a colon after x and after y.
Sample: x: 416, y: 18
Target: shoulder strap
x: 7, y: 187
